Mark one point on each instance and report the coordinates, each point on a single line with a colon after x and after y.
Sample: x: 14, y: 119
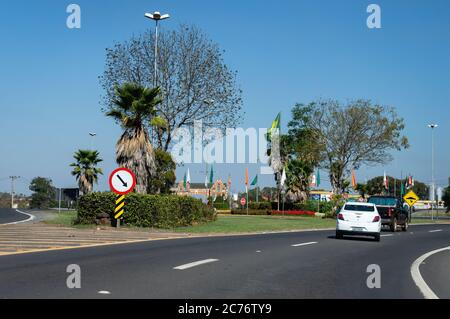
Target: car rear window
x: 359, y: 208
x: 382, y: 201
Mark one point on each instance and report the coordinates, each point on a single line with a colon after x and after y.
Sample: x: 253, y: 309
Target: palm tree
x: 134, y: 110
x: 85, y: 169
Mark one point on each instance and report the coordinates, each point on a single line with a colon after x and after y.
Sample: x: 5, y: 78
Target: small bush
x: 260, y: 205
x: 159, y: 211
x: 250, y: 212
x: 314, y: 206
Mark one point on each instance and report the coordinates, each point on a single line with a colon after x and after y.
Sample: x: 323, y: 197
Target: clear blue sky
x: 285, y: 52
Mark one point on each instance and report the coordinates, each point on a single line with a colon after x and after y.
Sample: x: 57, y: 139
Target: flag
x: 313, y: 180
x: 255, y: 181
x: 283, y: 178
x: 385, y: 181
x: 211, y: 175
x: 246, y: 176
x: 188, y: 180
x: 318, y: 178
x: 353, y: 179
x: 275, y: 125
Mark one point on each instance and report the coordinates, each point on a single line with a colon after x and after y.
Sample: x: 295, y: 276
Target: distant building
x: 199, y: 190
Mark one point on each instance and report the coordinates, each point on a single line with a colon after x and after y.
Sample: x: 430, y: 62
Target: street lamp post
x: 432, y: 126
x: 156, y: 16
x: 13, y: 178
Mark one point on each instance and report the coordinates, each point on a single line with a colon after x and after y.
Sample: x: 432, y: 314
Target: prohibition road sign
x: 243, y: 201
x: 122, y: 181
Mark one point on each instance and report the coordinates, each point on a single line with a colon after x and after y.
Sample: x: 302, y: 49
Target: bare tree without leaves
x: 195, y: 82
x: 357, y: 133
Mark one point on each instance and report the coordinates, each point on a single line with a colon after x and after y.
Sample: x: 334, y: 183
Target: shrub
x: 160, y: 211
x: 250, y: 212
x: 260, y: 205
x: 312, y: 205
x: 294, y: 212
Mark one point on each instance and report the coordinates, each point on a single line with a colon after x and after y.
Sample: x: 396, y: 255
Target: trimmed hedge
x: 159, y: 211
x: 260, y: 205
x: 250, y: 212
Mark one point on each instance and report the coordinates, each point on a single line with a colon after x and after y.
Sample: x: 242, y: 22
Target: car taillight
x: 376, y: 219
x: 390, y: 212
x: 341, y: 217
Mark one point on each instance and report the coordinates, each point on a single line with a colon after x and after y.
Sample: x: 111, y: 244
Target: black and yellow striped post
x: 119, y: 210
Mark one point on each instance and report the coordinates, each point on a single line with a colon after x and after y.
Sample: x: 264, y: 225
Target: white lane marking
x: 30, y: 218
x: 435, y: 231
x: 258, y: 251
x: 417, y: 277
x: 304, y: 244
x: 196, y: 263
x: 387, y: 235
x: 104, y: 292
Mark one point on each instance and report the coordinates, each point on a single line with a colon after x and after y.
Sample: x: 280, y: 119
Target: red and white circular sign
x: 243, y: 201
x: 122, y: 181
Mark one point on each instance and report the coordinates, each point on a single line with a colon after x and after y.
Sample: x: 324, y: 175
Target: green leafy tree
x: 362, y: 189
x: 376, y: 186
x: 165, y: 177
x: 300, y: 154
x: 135, y: 108
x: 357, y: 133
x: 85, y: 169
x: 43, y: 192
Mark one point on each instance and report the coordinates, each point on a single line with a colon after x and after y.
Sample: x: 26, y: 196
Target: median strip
x: 194, y: 264
x: 304, y: 244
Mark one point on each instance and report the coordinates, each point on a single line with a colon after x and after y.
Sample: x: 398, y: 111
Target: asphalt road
x: 257, y: 266
x: 11, y: 216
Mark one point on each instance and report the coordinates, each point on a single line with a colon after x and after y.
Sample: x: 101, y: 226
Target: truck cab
x: 392, y: 210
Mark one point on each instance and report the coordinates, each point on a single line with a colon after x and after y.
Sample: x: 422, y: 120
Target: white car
x: 358, y: 219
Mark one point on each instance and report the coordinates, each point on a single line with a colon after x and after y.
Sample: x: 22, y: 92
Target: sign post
x: 411, y: 198
x: 121, y: 181
x: 243, y: 202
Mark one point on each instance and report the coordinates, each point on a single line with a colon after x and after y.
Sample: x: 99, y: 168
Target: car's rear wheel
x: 377, y: 237
x: 405, y: 226
x: 339, y: 235
x: 394, y: 225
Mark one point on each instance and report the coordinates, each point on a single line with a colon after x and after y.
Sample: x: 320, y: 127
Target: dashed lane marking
x: 195, y: 263
x: 304, y: 244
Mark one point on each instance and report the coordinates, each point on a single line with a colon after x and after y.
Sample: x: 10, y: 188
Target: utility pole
x: 13, y: 178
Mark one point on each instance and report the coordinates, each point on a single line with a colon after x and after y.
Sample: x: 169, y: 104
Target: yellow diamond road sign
x: 411, y: 198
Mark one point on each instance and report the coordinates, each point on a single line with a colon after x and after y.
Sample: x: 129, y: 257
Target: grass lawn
x: 242, y: 224
x: 65, y: 218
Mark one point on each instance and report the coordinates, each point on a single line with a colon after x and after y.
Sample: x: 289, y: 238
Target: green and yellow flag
x: 275, y: 125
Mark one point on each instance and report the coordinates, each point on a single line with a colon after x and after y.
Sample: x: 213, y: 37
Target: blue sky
x: 284, y: 51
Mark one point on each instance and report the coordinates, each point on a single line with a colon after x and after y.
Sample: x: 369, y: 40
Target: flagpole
x: 246, y: 188
x: 257, y: 191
